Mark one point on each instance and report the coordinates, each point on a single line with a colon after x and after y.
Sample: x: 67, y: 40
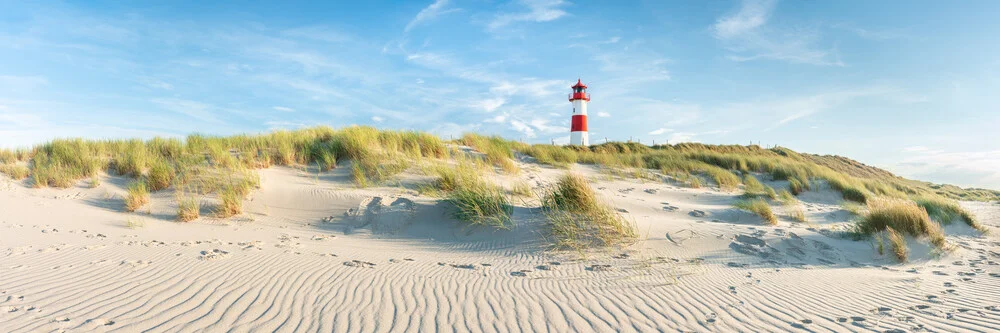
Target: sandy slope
x: 314, y: 254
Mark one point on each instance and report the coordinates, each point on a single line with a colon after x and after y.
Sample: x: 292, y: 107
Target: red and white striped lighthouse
x: 578, y: 127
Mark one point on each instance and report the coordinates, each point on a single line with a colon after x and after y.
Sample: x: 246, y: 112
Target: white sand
x: 391, y: 260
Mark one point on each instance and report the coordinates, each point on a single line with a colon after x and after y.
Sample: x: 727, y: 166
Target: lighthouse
x: 578, y: 126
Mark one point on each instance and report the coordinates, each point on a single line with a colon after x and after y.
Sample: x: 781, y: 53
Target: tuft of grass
x: 578, y: 220
x: 95, y: 180
x: 188, y: 209
x: 230, y: 202
x: 160, y: 176
x: 481, y: 204
x: 726, y: 180
x: 137, y: 196
x: 900, y: 215
x: 694, y: 182
x: 897, y: 244
x: 135, y: 223
x: 795, y: 186
x: 760, y: 207
x: 855, y: 194
x: 946, y: 211
x: 786, y: 197
x: 754, y: 189
x: 521, y: 189
x: 14, y: 171
x: 796, y: 213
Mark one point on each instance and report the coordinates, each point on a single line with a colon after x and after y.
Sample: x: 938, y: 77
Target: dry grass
x: 137, y: 196
x: 14, y: 171
x: 498, y: 151
x: 897, y: 244
x: 230, y: 202
x: 900, y: 215
x: 578, y: 220
x: 188, y: 208
x: 476, y: 200
x: 135, y: 223
x: 521, y: 189
x: 760, y: 207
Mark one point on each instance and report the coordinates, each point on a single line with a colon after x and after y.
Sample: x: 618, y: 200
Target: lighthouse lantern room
x: 578, y: 126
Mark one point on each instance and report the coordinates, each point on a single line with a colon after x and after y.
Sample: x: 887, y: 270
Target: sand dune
x: 315, y: 254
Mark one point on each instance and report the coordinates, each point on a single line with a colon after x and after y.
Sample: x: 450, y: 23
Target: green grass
x: 760, y: 207
x: 946, y: 211
x: 498, y: 151
x: 754, y: 189
x: 188, y: 208
x: 482, y: 204
x: 15, y: 172
x: 578, y: 220
x: 230, y: 202
x: 796, y: 187
x: 161, y: 175
x: 137, y: 195
x: 476, y: 201
x: 901, y: 215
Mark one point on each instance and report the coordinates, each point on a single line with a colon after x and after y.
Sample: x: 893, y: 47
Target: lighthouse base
x: 579, y: 139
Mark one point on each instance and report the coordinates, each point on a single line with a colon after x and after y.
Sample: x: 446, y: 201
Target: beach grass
x: 137, y: 195
x: 14, y: 171
x: 760, y: 207
x: 902, y: 216
x: 578, y: 220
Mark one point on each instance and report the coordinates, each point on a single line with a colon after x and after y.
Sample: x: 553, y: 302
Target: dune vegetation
x: 578, y: 220
x: 224, y: 167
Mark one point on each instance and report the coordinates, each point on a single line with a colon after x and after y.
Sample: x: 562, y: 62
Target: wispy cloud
x: 377, y: 119
x: 659, y: 131
x: 747, y: 34
x: 603, y: 114
x: 283, y: 109
x: 429, y: 13
x: 966, y: 168
x: 752, y: 15
x: 537, y: 11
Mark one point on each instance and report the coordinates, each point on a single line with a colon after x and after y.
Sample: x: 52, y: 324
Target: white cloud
x: 913, y: 149
x: 659, y: 131
x: 520, y: 126
x: 488, y: 104
x: 193, y: 109
x: 963, y: 168
x: 377, y: 119
x: 747, y: 35
x: 612, y: 40
x: 496, y: 119
x: 538, y: 11
x: 283, y: 109
x: 753, y: 14
x: 429, y: 13
x: 681, y: 137
x: 603, y: 114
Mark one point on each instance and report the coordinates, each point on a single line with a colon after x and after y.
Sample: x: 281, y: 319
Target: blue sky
x: 910, y: 86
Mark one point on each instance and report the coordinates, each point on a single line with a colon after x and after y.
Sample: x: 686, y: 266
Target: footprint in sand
x: 215, y: 254
x: 598, y: 268
x: 520, y: 273
x: 359, y: 264
x: 136, y: 263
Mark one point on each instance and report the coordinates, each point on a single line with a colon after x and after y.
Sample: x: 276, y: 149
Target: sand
x: 312, y: 253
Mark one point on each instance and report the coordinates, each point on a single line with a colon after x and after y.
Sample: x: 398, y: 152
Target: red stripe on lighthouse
x: 579, y: 123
